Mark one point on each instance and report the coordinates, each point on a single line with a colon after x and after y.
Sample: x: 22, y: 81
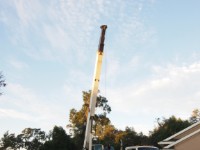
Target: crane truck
x: 87, y: 145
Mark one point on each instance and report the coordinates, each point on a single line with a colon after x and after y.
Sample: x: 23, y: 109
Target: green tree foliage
x: 59, y: 140
x: 35, y: 139
x: 166, y: 128
x: 29, y: 139
x: 78, y: 119
x: 103, y: 130
x: 8, y: 141
x: 32, y: 138
x: 2, y: 82
x: 195, y: 117
x: 131, y: 137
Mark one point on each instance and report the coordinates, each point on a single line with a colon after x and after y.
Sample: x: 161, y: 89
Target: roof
x: 183, y: 139
x: 182, y: 131
x: 184, y: 135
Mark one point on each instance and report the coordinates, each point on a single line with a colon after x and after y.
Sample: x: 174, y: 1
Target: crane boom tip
x: 103, y: 27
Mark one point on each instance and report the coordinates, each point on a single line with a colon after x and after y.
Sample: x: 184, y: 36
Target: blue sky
x: 151, y: 66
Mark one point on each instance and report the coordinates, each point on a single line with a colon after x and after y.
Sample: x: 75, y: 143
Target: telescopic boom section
x: 88, y: 133
x: 102, y: 38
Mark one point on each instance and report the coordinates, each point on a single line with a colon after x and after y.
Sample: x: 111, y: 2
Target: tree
x: 131, y: 137
x: 8, y: 141
x: 35, y: 139
x: 59, y: 140
x: 166, y: 128
x: 108, y: 135
x: 195, y: 117
x: 31, y: 138
x: 2, y: 82
x: 119, y: 137
x: 78, y: 119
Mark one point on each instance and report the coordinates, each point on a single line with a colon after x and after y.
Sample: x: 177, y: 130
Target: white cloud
x: 113, y: 67
x: 27, y: 12
x: 10, y: 113
x: 18, y: 64
x: 69, y: 30
x: 22, y: 12
x: 55, y: 29
x: 27, y: 105
x: 174, y: 91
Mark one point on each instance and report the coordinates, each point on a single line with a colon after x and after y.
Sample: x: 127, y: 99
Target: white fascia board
x: 165, y: 142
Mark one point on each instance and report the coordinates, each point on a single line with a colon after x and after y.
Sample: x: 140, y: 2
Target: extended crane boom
x: 88, y: 133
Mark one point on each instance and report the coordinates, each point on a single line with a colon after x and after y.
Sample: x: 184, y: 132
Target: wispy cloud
x: 18, y: 64
x: 69, y: 27
x: 173, y: 91
x: 11, y: 113
x: 174, y: 85
x: 68, y: 31
x: 27, y: 105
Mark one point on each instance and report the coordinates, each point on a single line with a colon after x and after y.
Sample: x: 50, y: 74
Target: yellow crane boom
x: 88, y: 134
